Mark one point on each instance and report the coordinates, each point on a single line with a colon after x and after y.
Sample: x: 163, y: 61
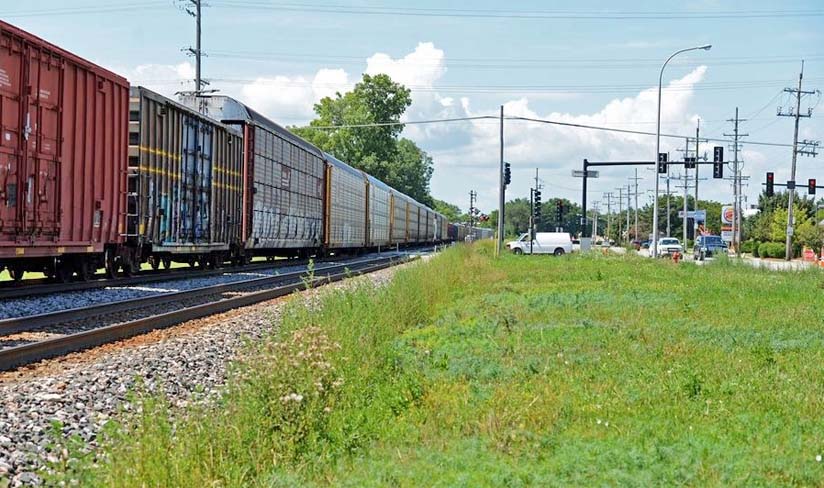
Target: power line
x: 637, y: 132
x: 571, y: 89
x: 386, y: 124
x: 85, y: 10
x: 516, y: 14
x: 529, y: 119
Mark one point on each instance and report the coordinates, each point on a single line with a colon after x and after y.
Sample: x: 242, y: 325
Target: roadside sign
x: 697, y: 215
x: 578, y: 173
x: 727, y: 214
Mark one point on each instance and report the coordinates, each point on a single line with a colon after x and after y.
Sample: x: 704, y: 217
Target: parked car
x: 557, y: 243
x: 646, y: 244
x: 667, y: 246
x: 708, y: 246
x: 636, y: 244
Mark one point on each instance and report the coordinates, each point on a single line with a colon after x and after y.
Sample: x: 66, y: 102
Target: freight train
x: 95, y: 173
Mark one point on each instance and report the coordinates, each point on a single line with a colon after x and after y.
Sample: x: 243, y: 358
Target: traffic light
x: 507, y: 174
x: 689, y: 163
x: 811, y: 186
x: 662, y: 162
x: 718, y: 162
x: 770, y: 183
x: 537, y: 201
x: 559, y: 210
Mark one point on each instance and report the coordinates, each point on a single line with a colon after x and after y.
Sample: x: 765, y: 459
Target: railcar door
x: 11, y: 132
x: 41, y: 133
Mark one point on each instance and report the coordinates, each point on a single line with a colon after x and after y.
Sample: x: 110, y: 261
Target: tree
x: 451, y: 212
x: 379, y: 150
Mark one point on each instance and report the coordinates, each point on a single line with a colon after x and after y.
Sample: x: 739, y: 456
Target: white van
x: 557, y: 243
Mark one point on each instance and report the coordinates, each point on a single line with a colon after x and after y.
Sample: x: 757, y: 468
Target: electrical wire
x: 516, y: 14
x: 542, y: 121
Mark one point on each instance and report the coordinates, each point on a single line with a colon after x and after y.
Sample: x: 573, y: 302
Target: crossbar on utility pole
x: 798, y: 92
x: 736, y: 184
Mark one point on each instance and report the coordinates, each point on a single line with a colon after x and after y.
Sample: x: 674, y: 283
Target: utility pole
x: 608, y: 196
x: 636, y: 200
x: 697, y: 134
x: 668, y: 202
x: 736, y: 184
x: 807, y: 149
x: 595, y: 210
x: 195, y: 9
x: 620, y: 209
x: 501, y: 190
x: 473, y: 197
x: 629, y: 204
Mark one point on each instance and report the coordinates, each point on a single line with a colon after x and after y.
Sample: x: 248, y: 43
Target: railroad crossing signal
x: 662, y: 162
x: 811, y: 186
x: 507, y: 174
x: 718, y: 162
x: 770, y: 184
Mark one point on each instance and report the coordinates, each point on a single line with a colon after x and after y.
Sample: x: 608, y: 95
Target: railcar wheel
x: 154, y: 262
x: 16, y: 273
x: 110, y: 264
x: 167, y: 262
x: 83, y: 270
x: 63, y: 273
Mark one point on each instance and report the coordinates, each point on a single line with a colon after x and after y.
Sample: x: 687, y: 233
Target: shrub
x: 750, y: 246
x: 771, y: 250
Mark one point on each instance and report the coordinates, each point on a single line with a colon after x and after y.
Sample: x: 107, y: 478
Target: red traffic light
x: 811, y: 186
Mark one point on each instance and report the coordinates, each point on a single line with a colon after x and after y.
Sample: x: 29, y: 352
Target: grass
x: 467, y: 371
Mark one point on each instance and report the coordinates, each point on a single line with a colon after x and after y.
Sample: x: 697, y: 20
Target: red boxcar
x: 63, y: 158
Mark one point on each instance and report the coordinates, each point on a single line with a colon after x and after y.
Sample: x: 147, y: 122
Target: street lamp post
x: 658, y: 145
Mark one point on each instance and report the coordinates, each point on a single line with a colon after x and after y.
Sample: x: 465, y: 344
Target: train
x: 97, y: 173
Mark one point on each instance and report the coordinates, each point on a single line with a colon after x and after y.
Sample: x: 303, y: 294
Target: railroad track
x: 10, y: 290
x: 245, y: 293
x: 38, y: 287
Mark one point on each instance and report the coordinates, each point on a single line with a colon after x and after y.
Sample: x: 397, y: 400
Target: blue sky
x: 577, y: 63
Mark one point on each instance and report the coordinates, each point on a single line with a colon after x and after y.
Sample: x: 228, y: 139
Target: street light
x: 706, y: 47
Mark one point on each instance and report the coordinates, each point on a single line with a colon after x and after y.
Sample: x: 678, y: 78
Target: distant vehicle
x: 557, y: 243
x: 708, y: 246
x: 646, y: 244
x: 668, y: 246
x: 636, y: 244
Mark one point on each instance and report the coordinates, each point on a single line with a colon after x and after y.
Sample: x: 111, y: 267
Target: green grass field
x: 525, y: 371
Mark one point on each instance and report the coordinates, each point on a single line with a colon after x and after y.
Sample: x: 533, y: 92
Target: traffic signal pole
x: 501, y: 190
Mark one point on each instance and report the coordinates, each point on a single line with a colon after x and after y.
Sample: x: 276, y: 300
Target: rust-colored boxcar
x: 63, y: 130
x: 186, y: 176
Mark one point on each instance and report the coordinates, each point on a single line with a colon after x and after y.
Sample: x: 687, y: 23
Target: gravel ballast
x: 22, y: 307
x: 83, y: 391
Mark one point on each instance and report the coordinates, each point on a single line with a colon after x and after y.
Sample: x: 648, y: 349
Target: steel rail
x: 14, y: 357
x: 9, y: 290
x: 38, y: 321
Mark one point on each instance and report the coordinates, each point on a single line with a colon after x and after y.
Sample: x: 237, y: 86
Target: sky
x: 589, y: 62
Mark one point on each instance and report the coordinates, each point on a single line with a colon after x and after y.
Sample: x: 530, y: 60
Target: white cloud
x: 290, y: 99
x: 466, y: 154
x: 559, y: 149
x: 164, y: 78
